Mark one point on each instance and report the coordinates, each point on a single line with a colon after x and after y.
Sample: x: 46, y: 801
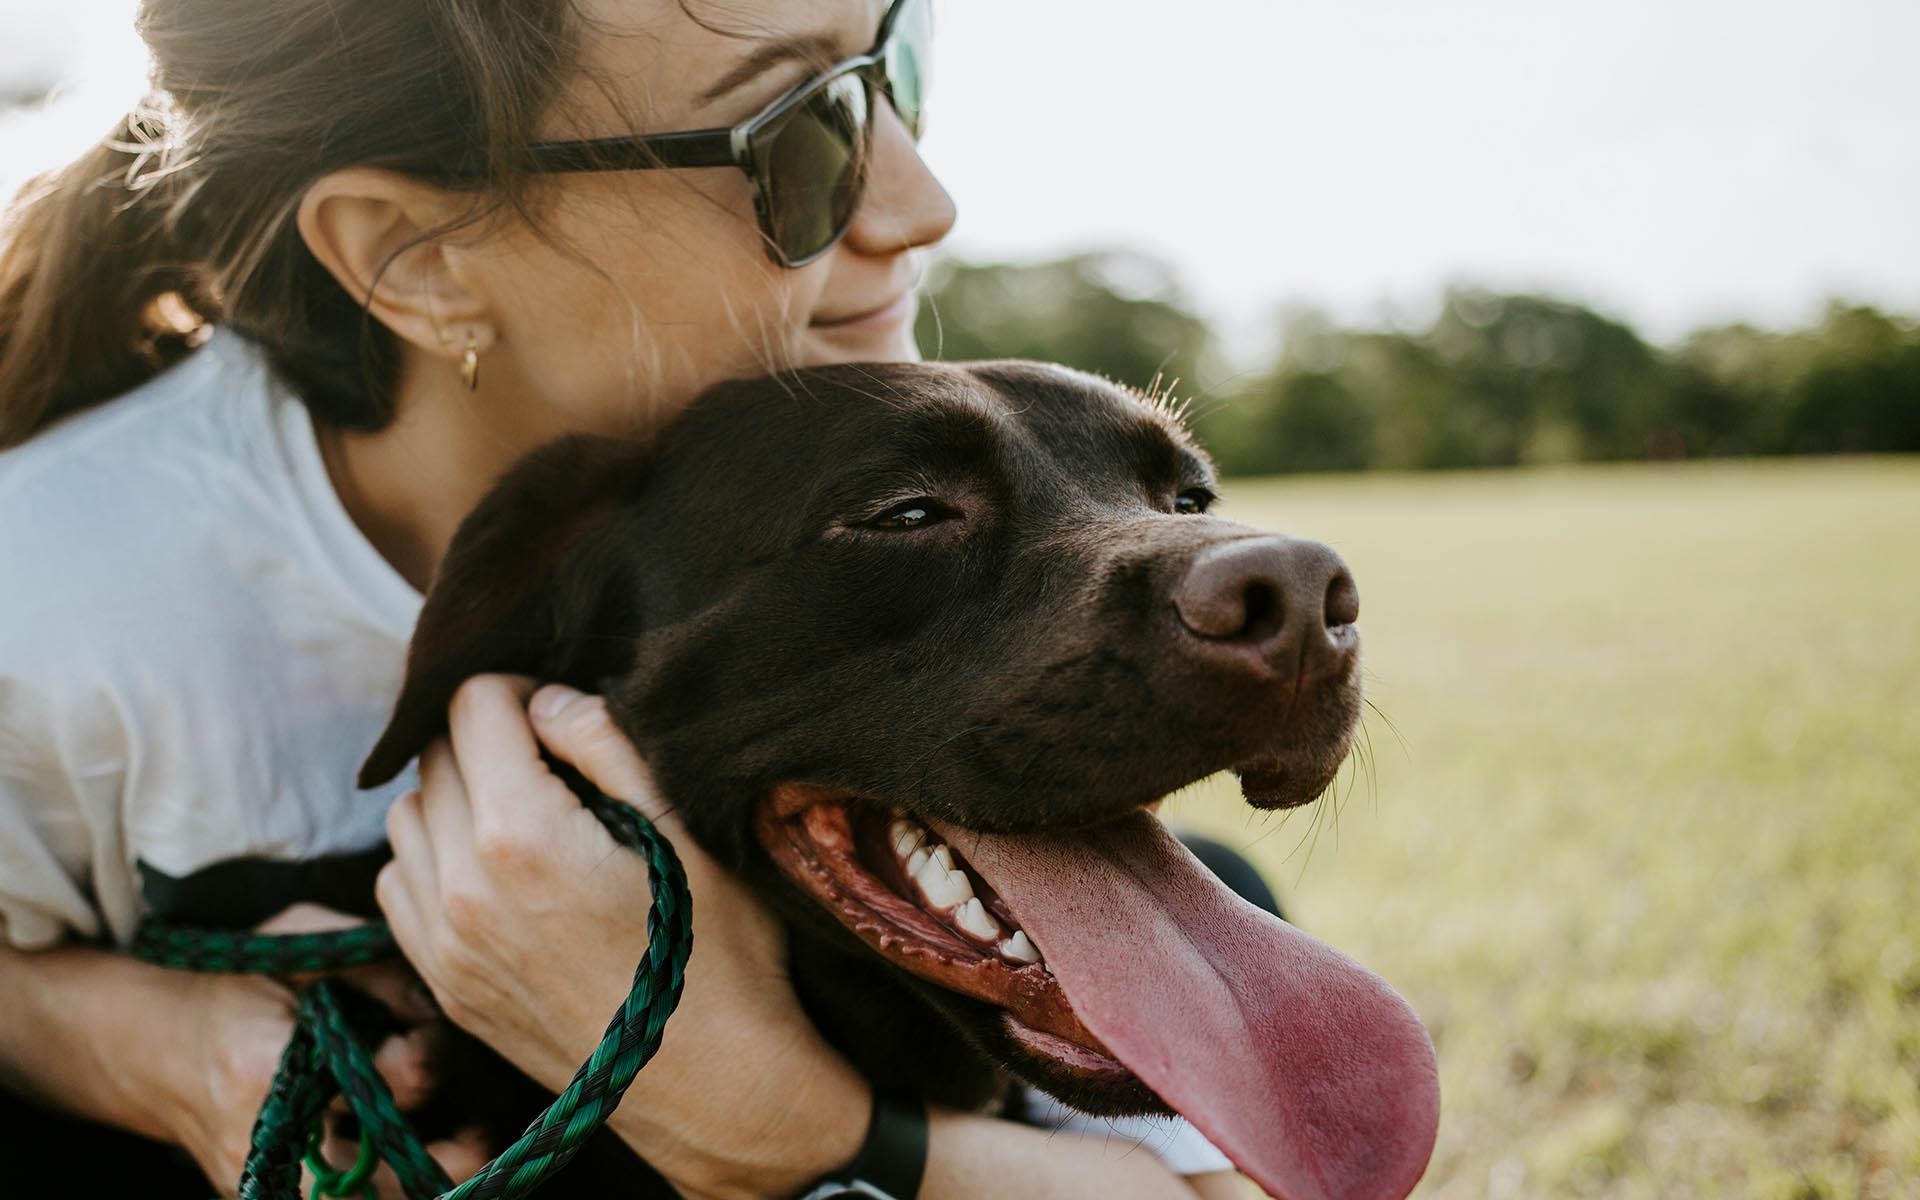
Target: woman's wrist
x: 781, y: 1137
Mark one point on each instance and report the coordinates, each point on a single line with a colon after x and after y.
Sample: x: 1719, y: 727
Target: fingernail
x: 552, y: 698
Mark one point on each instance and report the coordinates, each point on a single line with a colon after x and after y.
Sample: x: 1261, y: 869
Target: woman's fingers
x: 512, y: 796
x: 341, y: 1150
x: 408, y: 887
x: 396, y: 987
x: 577, y: 727
x: 401, y: 902
x: 462, y: 1155
x: 446, y: 809
x: 405, y: 1061
x: 308, y: 918
x: 488, y: 725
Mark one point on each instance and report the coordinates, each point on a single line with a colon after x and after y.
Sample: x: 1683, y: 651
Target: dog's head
x: 911, y: 646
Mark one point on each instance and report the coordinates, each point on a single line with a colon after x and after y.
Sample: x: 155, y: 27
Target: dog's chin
x: 1300, y: 768
x: 1288, y: 781
x: 969, y: 960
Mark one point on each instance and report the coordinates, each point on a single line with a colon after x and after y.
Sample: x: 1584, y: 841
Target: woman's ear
x: 365, y: 226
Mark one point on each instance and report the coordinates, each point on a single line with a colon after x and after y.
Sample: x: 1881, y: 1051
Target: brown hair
x: 183, y: 215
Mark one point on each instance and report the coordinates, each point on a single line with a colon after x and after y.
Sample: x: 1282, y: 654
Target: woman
x: 259, y: 352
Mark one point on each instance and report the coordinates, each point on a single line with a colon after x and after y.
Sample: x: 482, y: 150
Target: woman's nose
x: 904, y: 205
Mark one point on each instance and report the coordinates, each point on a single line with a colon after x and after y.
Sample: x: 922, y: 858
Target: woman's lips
x: 887, y: 315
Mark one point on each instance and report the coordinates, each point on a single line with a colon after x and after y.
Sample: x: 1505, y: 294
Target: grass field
x: 1644, y: 850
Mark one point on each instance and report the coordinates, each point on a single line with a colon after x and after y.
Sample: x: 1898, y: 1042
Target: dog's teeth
x: 958, y: 885
x: 917, y: 861
x: 1020, y: 948
x: 943, y: 888
x: 906, y: 837
x: 943, y: 856
x: 972, y: 919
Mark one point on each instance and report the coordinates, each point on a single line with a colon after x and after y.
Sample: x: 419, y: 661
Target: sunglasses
x: 806, y: 154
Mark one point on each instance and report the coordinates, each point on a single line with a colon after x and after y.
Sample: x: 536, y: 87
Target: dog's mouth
x: 922, y: 906
x: 1122, y: 964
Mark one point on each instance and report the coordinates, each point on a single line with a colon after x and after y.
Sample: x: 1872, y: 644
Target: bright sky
x: 1672, y: 161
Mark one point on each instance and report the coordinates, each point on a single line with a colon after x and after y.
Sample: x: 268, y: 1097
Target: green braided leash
x: 323, y: 1059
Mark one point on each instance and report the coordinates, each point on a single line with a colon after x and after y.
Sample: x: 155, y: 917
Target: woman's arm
x: 85, y: 1031
x: 968, y: 1156
x: 178, y: 1056
x: 971, y: 1155
x: 525, y: 918
x: 171, y: 1055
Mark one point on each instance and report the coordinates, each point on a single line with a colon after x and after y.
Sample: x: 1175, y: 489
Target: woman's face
x: 655, y: 284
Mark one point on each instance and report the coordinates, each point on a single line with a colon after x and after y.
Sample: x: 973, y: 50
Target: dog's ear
x: 528, y: 586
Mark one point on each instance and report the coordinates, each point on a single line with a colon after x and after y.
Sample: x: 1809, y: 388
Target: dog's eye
x: 1193, y: 501
x: 909, y: 514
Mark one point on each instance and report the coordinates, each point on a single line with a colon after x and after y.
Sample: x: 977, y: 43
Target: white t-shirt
x: 197, y: 648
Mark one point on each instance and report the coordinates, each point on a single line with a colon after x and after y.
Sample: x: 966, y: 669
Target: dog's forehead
x: 934, y: 397
x: 1019, y: 423
x: 858, y: 402
x: 1015, y: 405
x: 1092, y: 425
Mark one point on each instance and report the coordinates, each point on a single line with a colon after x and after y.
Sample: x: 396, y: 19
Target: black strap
x: 892, y: 1160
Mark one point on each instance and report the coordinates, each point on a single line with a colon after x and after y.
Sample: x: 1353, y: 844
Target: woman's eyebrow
x: 818, y: 48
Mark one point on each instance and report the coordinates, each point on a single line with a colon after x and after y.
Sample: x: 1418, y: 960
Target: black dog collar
x: 890, y: 1163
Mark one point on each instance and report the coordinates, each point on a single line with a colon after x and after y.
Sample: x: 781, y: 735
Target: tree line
x: 1494, y: 380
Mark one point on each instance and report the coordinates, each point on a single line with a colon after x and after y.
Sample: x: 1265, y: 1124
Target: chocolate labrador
x: 911, y: 646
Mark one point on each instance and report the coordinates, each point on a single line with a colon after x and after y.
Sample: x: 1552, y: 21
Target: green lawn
x: 1643, y: 850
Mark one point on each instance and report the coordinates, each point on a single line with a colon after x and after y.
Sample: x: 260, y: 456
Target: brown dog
x: 911, y: 647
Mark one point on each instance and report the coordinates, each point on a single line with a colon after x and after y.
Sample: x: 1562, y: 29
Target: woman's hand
x: 228, y: 1044
x: 527, y: 921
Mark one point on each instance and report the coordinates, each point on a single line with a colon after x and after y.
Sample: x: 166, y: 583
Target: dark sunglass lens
x: 813, y: 166
x: 908, y: 62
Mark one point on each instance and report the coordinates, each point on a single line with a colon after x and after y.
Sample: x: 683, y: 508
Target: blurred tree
x: 1543, y: 380
x: 1303, y: 415
x: 1119, y: 315
x: 1730, y: 388
x: 1494, y: 380
x: 1849, y: 384
x: 1293, y: 421
x: 1862, y: 391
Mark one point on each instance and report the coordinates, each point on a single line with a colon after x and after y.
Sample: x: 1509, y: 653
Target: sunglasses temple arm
x: 703, y: 148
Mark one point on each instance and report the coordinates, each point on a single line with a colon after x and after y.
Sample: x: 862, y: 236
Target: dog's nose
x: 1287, y: 599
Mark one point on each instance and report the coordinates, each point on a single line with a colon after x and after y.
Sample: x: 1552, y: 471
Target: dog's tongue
x: 1306, y: 1069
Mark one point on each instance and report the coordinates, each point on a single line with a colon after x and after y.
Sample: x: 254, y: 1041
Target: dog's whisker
x: 1196, y: 412
x: 1318, y: 812
x: 1298, y: 845
x: 1394, y: 729
x: 1371, y: 762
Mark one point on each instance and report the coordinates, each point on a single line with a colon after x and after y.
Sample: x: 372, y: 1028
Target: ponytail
x: 96, y: 292
x: 113, y: 267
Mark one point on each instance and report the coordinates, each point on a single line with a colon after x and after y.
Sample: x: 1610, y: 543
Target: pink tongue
x: 1306, y: 1069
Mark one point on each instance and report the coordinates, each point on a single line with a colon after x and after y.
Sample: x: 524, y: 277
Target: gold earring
x: 470, y: 365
